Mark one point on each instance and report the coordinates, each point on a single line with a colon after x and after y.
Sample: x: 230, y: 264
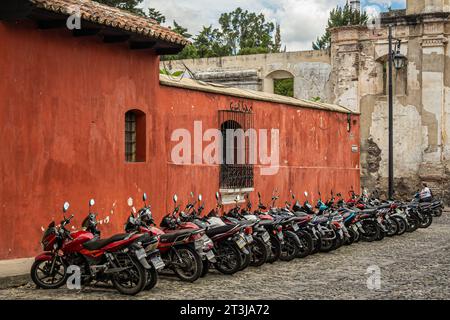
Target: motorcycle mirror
x: 305, y: 193
x: 192, y: 194
x: 91, y: 202
x: 66, y: 206
x: 259, y: 195
x: 175, y: 198
x: 144, y: 197
x: 217, y: 196
x: 200, y: 197
x: 238, y: 197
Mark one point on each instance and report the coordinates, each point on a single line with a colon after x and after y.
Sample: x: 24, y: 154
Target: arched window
x: 135, y: 136
x: 280, y: 82
x: 235, y: 148
x: 238, y: 173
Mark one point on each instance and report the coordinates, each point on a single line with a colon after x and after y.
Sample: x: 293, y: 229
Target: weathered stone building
x: 354, y: 74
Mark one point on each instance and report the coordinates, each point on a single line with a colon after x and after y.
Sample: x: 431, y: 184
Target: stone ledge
x: 15, y: 273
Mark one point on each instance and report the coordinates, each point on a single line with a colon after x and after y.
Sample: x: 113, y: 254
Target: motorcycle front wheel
x: 132, y: 279
x: 46, y: 277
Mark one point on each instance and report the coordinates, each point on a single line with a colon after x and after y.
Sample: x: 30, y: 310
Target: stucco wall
x: 310, y: 70
x: 62, y: 106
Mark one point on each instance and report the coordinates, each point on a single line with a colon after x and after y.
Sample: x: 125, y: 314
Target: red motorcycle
x: 181, y: 250
x: 120, y: 259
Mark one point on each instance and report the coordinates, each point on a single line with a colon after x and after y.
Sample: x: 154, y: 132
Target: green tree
x: 284, y: 87
x: 242, y: 30
x: 181, y: 30
x: 156, y: 15
x: 129, y: 5
x: 340, y: 16
x: 209, y: 43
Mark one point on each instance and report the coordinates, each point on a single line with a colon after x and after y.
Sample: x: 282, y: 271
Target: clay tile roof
x: 109, y: 16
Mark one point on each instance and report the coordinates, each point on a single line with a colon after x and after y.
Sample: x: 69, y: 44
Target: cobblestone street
x: 413, y: 266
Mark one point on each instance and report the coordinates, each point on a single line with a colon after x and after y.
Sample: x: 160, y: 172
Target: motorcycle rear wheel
x: 350, y: 240
x: 246, y: 259
x: 402, y: 225
x: 275, y: 249
x: 205, y: 268
x: 289, y: 249
x: 40, y: 270
x: 413, y: 224
x: 259, y: 253
x: 132, y: 280
x: 426, y: 221
x: 307, y: 242
x: 392, y: 227
x: 228, y: 258
x: 152, y: 278
x: 191, y: 268
x: 371, y: 231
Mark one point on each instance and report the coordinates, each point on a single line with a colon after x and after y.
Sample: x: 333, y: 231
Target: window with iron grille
x: 135, y: 136
x: 235, y: 175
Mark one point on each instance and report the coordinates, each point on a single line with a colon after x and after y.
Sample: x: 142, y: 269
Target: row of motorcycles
x: 190, y: 243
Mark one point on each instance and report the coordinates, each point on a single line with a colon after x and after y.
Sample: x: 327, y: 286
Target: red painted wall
x: 62, y: 109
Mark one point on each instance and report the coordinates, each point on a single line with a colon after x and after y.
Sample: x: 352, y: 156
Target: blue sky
x: 301, y: 20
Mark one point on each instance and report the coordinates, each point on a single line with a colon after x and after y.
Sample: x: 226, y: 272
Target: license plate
x: 141, y: 254
x: 157, y: 262
x: 295, y: 226
x: 359, y: 224
x: 379, y: 219
x: 280, y: 235
x: 355, y: 227
x: 210, y: 255
x: 249, y: 238
x: 266, y: 237
x: 241, y: 243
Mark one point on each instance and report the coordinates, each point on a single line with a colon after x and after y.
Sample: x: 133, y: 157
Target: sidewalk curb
x: 14, y: 281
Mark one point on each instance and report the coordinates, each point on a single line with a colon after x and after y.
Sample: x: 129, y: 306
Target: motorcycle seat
x: 218, y: 230
x: 96, y: 244
x: 172, y: 236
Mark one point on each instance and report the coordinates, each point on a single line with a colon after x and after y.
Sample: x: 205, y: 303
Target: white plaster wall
x: 407, y: 137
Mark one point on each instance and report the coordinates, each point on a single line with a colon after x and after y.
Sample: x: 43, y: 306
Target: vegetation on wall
x: 340, y: 16
x: 284, y: 87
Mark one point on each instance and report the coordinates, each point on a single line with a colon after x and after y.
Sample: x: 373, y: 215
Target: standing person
x: 426, y: 195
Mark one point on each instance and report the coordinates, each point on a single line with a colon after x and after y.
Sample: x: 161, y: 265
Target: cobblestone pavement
x: 413, y: 266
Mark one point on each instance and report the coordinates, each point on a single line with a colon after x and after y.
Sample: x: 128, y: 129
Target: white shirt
x: 425, y: 193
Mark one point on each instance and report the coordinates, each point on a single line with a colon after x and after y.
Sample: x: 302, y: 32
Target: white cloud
x: 302, y: 21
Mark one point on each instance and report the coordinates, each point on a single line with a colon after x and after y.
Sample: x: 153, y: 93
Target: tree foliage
x: 129, y: 5
x: 239, y: 32
x: 340, y: 16
x: 156, y: 15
